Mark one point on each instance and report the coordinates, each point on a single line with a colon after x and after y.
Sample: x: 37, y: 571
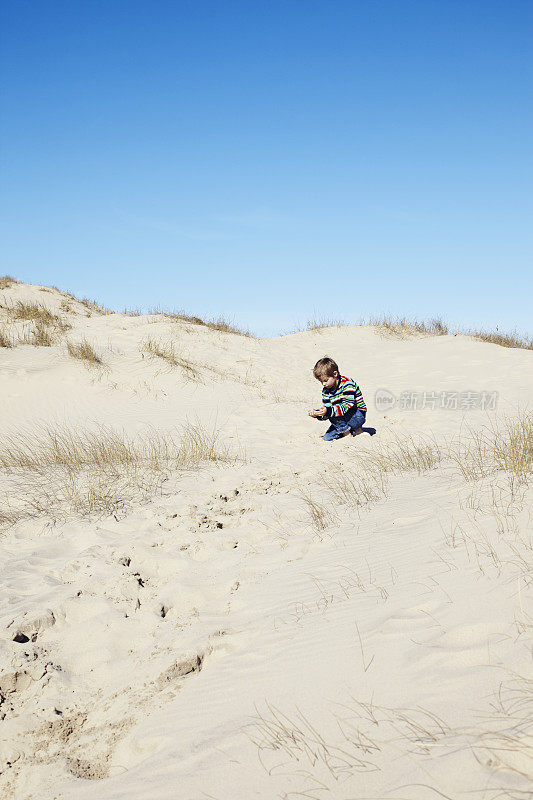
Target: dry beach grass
x: 219, y: 323
x: 166, y: 350
x: 57, y: 470
x: 405, y: 327
x: 5, y: 339
x: 32, y: 323
x: 85, y: 352
x: 6, y: 281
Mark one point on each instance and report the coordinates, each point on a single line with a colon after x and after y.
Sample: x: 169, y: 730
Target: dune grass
x: 38, y: 335
x: 90, y: 305
x: 367, y: 481
x: 508, y: 744
x: 37, y: 312
x: 55, y: 446
x: 318, y: 323
x: 353, y: 738
x: 406, y: 327
x: 85, y: 352
x: 43, y: 325
x: 59, y: 470
x: 219, y: 323
x: 403, y: 327
x: 66, y: 306
x: 167, y: 352
x: 512, y: 339
x: 6, y: 281
x: 225, y: 325
x: 5, y: 339
x: 503, y: 445
x: 407, y: 454
x: 41, y: 335
x: 400, y: 327
x: 357, y: 487
x: 321, y: 514
x: 504, y: 448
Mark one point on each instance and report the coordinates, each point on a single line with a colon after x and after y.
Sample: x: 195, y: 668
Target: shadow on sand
x: 370, y: 431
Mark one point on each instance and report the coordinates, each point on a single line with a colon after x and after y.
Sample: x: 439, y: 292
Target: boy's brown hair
x: 325, y: 366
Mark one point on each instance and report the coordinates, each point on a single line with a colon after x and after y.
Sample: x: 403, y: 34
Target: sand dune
x: 202, y: 599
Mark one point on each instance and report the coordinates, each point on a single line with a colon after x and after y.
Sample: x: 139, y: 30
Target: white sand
x: 210, y: 641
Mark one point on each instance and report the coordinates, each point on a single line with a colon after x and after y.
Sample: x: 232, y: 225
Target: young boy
x: 342, y: 400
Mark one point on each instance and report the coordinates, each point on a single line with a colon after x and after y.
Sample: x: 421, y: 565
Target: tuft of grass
x: 220, y: 323
x: 357, y: 738
x: 367, y: 482
x: 321, y: 516
x: 45, y: 325
x: 405, y: 327
x: 280, y: 738
x: 357, y: 488
x: 509, y: 744
x: 6, y: 281
x: 41, y: 336
x: 90, y: 305
x: 402, y: 327
x: 315, y: 323
x: 506, y: 445
x: 66, y: 306
x: 5, y: 339
x: 407, y: 454
x: 513, y: 451
x: 55, y: 446
x: 85, y: 352
x: 178, y: 316
x: 7, y: 517
x: 513, y: 339
x: 94, y: 305
x: 226, y: 326
x: 38, y: 335
x: 35, y: 312
x: 59, y: 470
x: 167, y: 352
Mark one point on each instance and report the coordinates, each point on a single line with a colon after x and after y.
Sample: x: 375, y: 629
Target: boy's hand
x: 317, y: 412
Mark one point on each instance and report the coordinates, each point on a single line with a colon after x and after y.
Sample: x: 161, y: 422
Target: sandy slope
x: 211, y: 641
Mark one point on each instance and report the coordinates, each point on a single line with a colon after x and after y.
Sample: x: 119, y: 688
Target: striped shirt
x: 341, y: 399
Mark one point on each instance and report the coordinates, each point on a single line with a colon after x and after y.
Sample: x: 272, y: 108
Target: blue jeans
x: 349, y: 422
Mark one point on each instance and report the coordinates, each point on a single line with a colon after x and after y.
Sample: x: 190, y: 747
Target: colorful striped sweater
x: 341, y: 399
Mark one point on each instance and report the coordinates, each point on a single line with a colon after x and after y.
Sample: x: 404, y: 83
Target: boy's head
x: 327, y: 372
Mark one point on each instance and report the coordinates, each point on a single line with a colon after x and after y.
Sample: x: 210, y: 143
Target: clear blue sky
x: 271, y: 160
